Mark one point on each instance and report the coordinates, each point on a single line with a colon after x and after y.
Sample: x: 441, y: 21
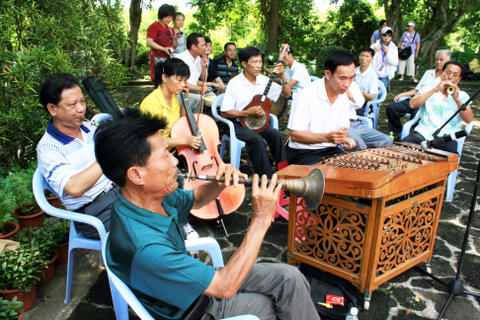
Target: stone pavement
x: 410, y: 295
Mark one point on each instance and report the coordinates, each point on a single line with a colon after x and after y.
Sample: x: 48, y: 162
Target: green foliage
x: 40, y: 239
x: 7, y: 203
x: 465, y: 56
x: 58, y: 229
x: 321, y: 57
x: 21, y: 268
x: 43, y: 37
x: 19, y: 185
x: 10, y: 310
x: 354, y: 24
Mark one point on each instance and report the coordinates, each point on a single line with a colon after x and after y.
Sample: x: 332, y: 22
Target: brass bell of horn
x: 451, y: 90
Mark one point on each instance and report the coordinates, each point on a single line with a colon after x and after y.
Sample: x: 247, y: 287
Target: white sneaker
x: 188, y: 232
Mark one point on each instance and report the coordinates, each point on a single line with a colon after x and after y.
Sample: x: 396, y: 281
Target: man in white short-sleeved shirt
x: 66, y: 157
x: 296, y: 75
x: 320, y: 114
x: 431, y: 78
x: 238, y: 95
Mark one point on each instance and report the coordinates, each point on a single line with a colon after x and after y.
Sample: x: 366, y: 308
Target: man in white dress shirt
x: 320, y: 114
x: 240, y: 92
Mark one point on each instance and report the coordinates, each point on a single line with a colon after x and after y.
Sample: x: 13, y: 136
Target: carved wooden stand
x: 372, y: 233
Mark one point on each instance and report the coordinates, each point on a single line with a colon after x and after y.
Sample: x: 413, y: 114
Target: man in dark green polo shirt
x: 146, y: 250
x: 225, y: 65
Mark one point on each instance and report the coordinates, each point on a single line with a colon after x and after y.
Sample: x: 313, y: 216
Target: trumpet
x: 451, y: 90
x: 310, y: 188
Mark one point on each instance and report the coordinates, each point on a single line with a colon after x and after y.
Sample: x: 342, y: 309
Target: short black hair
x: 290, y: 50
x: 207, y: 40
x: 454, y: 63
x: 192, y: 39
x: 171, y: 67
x: 248, y: 52
x: 339, y: 57
x: 52, y: 88
x: 227, y: 44
x: 178, y: 14
x: 368, y: 49
x: 166, y: 10
x: 122, y: 143
x: 380, y: 24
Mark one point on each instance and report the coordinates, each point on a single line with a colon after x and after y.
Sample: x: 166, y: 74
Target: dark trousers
x: 396, y: 111
x: 311, y: 156
x: 256, y: 147
x: 100, y: 208
x: 417, y: 138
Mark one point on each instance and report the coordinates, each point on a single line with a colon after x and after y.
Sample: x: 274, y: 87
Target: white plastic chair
x: 236, y: 145
x: 375, y: 103
x: 76, y: 238
x: 452, y: 177
x: 123, y: 297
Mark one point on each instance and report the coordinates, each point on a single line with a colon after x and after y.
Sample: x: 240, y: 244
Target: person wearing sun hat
x: 385, y: 60
x: 410, y: 38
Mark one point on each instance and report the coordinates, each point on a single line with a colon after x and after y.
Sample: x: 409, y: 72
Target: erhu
x: 310, y: 188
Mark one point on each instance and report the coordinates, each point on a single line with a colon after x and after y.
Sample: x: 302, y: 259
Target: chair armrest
x: 403, y: 98
x: 209, y: 245
x: 273, y: 121
x: 366, y: 121
x: 409, y: 124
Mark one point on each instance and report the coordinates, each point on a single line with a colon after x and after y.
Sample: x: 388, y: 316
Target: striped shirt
x: 60, y: 157
x: 223, y: 70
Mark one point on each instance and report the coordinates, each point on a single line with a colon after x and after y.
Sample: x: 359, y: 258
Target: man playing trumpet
x: 440, y: 103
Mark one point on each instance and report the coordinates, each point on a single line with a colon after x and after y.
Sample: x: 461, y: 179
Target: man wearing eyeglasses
x: 386, y: 56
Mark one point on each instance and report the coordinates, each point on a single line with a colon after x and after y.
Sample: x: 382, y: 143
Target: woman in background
x: 178, y: 23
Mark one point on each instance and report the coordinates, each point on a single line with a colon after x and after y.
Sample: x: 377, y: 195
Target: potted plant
x: 11, y: 310
x: 60, y: 230
x: 20, y: 270
x: 41, y: 239
x: 7, y: 204
x: 28, y: 213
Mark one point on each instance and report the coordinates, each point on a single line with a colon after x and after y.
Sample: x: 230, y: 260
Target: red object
x: 62, y: 250
x: 335, y: 300
x: 14, y: 227
x: 49, y: 271
x: 30, y: 221
x: 29, y: 300
x: 205, y: 162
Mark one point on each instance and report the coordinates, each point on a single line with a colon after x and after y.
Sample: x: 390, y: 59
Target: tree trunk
x: 135, y: 19
x: 393, y: 14
x: 270, y: 10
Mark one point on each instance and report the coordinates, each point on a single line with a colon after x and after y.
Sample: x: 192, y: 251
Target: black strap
x: 197, y: 309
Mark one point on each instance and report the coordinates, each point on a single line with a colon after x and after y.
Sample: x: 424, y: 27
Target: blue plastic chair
x: 375, y: 103
x: 452, y: 177
x: 313, y: 78
x: 76, y: 239
x: 236, y: 145
x: 123, y: 297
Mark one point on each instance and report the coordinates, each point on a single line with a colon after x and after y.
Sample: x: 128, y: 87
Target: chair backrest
x: 40, y: 185
x: 121, y: 291
x: 100, y: 95
x: 313, y: 78
x: 217, y: 103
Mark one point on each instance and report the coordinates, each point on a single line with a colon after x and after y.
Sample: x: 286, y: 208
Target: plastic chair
x: 313, y: 78
x: 123, y: 297
x: 452, y: 177
x: 76, y: 239
x: 236, y: 145
x: 375, y: 103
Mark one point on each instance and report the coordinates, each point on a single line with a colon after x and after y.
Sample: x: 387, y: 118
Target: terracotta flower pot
x: 29, y: 221
x: 20, y: 316
x: 54, y: 201
x: 49, y: 271
x: 14, y: 227
x: 62, y: 250
x: 29, y: 300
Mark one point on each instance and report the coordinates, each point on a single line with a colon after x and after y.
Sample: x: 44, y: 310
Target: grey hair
x: 447, y: 52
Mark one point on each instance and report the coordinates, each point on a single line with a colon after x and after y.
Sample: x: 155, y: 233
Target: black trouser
x: 311, y: 156
x: 396, y: 111
x: 417, y: 138
x: 100, y: 208
x: 256, y: 147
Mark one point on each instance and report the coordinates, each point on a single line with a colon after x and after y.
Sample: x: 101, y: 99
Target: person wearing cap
x: 296, y: 76
x: 376, y: 34
x: 410, y: 38
x: 386, y: 56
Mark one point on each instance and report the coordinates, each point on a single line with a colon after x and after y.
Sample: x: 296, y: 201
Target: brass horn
x: 310, y: 188
x: 451, y: 90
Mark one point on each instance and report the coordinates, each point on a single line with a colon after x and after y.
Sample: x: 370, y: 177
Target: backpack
x: 323, y: 283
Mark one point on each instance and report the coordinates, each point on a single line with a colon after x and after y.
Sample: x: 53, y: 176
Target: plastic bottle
x: 392, y: 136
x: 353, y: 314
